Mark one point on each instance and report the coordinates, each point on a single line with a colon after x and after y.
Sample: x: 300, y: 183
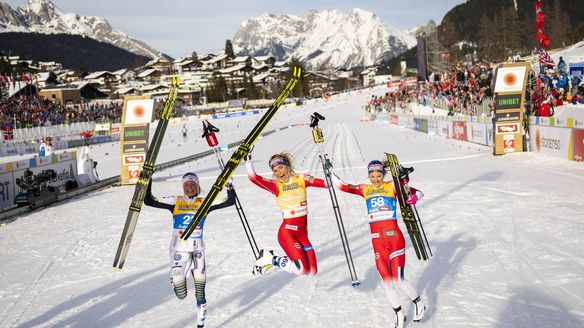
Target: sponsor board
x: 394, y: 119
x: 509, y: 143
x: 554, y: 141
x: 138, y: 111
x: 134, y: 148
x: 432, y: 127
x: 512, y: 101
x: 507, y: 128
x: 135, y: 133
x: 134, y: 159
x: 510, y: 79
x: 578, y: 144
x: 133, y: 173
x: 478, y: 133
x: 503, y: 117
x: 459, y: 130
x: 7, y: 190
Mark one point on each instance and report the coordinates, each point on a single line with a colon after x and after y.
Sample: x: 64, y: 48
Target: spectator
x: 46, y: 147
x: 562, y: 66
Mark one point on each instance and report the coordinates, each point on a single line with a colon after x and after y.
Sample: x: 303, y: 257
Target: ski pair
x: 318, y: 138
x: 145, y: 176
x: 240, y: 154
x: 409, y: 212
x: 209, y: 134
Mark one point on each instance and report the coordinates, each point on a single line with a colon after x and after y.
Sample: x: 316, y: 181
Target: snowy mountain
x: 328, y: 38
x: 42, y: 16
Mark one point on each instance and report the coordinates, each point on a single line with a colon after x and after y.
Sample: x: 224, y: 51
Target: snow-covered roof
x: 147, y: 72
x: 232, y: 69
x: 260, y: 66
x: 241, y: 59
x: 98, y: 74
x: 123, y: 91
x: 262, y: 58
x: 281, y: 63
x: 216, y: 59
x: 152, y: 87
x: 260, y: 77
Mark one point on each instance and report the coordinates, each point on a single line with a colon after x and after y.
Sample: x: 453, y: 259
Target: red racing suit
x: 291, y: 199
x: 386, y: 236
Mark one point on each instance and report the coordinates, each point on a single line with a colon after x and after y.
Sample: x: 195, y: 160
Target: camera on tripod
x: 35, y: 189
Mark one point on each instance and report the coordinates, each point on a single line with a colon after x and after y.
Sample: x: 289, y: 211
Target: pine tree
x: 229, y: 49
x: 195, y: 57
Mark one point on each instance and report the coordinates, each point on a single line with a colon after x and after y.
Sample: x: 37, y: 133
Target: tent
x: 577, y: 69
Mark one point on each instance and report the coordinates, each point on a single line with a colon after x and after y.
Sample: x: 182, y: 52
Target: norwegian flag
x: 545, y: 59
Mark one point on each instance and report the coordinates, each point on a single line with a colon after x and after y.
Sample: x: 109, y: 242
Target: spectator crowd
x: 29, y: 111
x: 463, y: 89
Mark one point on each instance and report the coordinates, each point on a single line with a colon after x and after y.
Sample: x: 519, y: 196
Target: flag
x: 545, y: 59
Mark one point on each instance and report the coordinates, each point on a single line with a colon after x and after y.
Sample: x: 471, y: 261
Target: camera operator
x: 46, y: 147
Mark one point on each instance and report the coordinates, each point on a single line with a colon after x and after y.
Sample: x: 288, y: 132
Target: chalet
x: 101, y: 78
x: 245, y: 60
x: 124, y: 75
x: 127, y: 91
x: 266, y: 60
x: 160, y: 64
x: 64, y: 95
x: 149, y: 75
x: 217, y: 62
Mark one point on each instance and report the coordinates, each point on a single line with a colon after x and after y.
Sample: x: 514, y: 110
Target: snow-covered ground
x: 506, y: 233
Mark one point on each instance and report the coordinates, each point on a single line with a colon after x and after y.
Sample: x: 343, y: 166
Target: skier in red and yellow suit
x: 290, y: 191
x: 386, y: 236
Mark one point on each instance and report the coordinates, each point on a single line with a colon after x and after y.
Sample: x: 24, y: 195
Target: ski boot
x: 419, y: 309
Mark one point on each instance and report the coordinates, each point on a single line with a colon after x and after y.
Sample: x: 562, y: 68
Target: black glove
x: 229, y: 186
x: 327, y: 164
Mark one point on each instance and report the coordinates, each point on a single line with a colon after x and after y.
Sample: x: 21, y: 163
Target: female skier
x: 188, y: 255
x: 290, y: 191
x: 386, y: 236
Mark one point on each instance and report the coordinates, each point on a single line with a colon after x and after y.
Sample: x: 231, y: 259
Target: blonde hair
x: 285, y: 155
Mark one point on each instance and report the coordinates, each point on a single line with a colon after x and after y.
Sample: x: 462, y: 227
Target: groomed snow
x: 506, y: 233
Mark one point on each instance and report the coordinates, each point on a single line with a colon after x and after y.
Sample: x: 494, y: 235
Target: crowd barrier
x: 65, y: 165
x: 10, y: 148
x: 561, y: 137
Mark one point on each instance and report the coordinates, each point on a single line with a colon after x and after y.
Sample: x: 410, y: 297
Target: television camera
x: 35, y: 189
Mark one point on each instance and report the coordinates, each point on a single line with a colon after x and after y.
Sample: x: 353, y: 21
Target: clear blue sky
x: 177, y: 27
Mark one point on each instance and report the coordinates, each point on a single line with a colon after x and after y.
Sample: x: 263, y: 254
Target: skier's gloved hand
x: 412, y: 200
x: 229, y: 186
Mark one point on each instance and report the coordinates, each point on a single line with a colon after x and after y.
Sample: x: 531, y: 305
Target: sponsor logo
x: 177, y: 257
x: 177, y: 272
x: 198, y: 255
x: 508, y: 102
x: 136, y: 133
x: 389, y: 233
x: 377, y: 256
x: 508, y: 128
x: 509, y: 143
x: 550, y: 143
x: 134, y: 159
x: 291, y: 227
x: 134, y: 148
x: 375, y: 235
x: 297, y: 245
x: 507, y: 117
x: 291, y: 186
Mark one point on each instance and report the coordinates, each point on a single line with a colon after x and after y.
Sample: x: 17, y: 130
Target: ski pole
x: 318, y: 140
x: 209, y: 134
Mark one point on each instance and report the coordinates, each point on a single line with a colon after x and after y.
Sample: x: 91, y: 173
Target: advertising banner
x: 432, y: 127
x: 394, y: 119
x: 137, y: 114
x: 578, y: 144
x: 510, y: 78
x: 460, y: 131
x: 554, y: 141
x: 138, y: 111
x: 7, y: 190
x: 512, y: 101
x: 478, y: 133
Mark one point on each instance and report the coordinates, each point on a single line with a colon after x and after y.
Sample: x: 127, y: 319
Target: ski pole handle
x: 317, y: 135
x: 211, y: 139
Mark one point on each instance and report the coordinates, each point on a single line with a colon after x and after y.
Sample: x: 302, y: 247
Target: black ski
x: 240, y: 154
x: 318, y: 138
x: 409, y: 212
x: 145, y: 177
x: 209, y: 134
